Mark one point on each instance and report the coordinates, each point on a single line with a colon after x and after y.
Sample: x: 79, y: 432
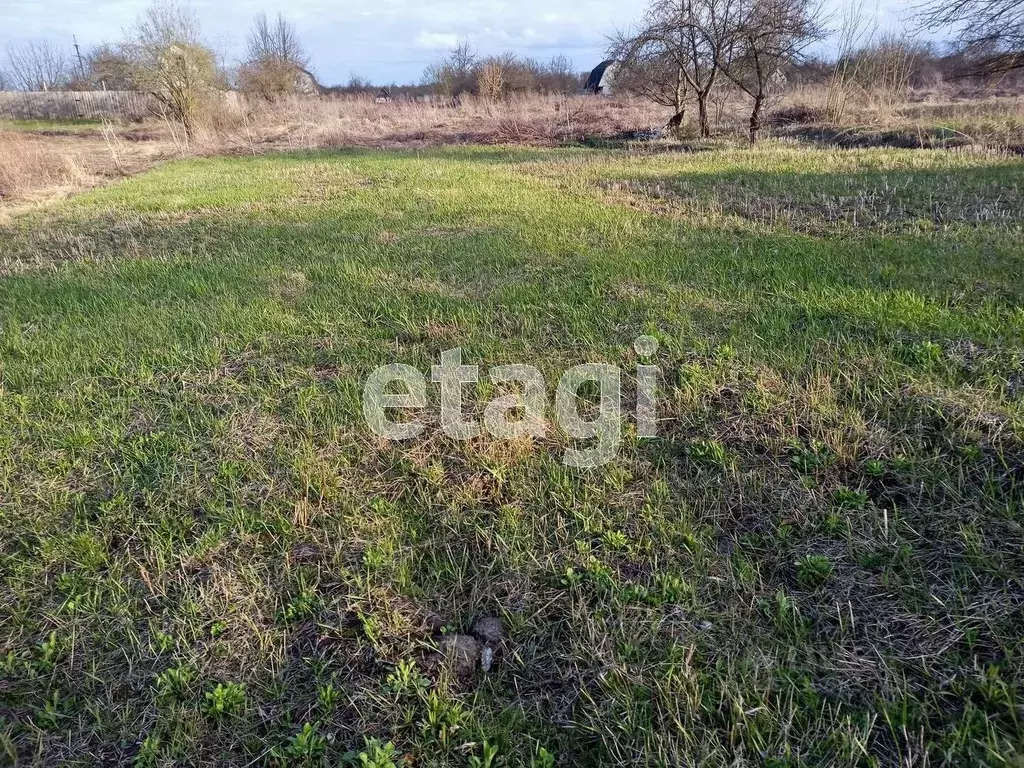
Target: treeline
x: 276, y: 64
x: 41, y: 65
x: 497, y: 77
x: 922, y: 64
x: 165, y: 54
x: 165, y: 50
x: 700, y: 52
x: 681, y: 53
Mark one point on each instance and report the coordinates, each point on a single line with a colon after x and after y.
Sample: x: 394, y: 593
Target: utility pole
x: 78, y: 53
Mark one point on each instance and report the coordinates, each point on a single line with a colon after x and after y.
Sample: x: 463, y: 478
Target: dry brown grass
x: 38, y: 165
x: 28, y: 163
x: 359, y: 122
x: 941, y: 116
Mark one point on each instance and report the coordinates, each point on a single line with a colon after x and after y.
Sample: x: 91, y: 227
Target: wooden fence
x: 89, y: 105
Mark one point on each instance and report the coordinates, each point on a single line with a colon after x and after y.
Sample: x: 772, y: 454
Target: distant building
x: 602, y: 79
x: 306, y: 83
x: 383, y: 96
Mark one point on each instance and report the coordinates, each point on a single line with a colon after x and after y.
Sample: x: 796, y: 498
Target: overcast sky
x: 382, y: 40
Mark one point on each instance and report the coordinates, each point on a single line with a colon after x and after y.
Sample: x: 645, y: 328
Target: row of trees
x: 497, y: 77
x: 683, y: 49
x: 276, y: 64
x: 166, y: 55
x: 990, y: 33
x: 690, y: 51
x: 36, y: 66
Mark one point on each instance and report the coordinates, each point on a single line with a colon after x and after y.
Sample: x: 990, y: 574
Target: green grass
x: 819, y: 562
x: 76, y: 125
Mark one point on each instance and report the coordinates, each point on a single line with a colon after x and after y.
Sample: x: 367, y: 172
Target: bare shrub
x: 883, y: 72
x: 277, y: 64
x: 873, y: 72
x: 491, y: 81
x: 170, y: 61
x: 855, y: 26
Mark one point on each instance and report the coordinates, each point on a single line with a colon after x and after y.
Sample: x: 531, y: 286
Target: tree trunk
x: 677, y: 118
x: 702, y: 114
x: 755, y: 118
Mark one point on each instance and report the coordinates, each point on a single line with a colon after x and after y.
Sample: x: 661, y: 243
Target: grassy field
x: 206, y: 559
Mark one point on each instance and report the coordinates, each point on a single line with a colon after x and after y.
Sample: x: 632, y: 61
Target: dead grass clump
x: 28, y: 164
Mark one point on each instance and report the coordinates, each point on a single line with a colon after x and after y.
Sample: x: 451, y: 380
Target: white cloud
x: 437, y: 41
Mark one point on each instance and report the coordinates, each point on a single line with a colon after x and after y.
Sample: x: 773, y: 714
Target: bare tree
x: 991, y: 32
x: 109, y: 69
x: 5, y: 81
x: 169, y: 60
x: 37, y: 65
x: 648, y: 70
x: 456, y: 74
x: 765, y: 36
x: 683, y: 40
x: 359, y: 84
x: 559, y: 75
x: 277, y: 63
x: 462, y: 57
x: 276, y: 41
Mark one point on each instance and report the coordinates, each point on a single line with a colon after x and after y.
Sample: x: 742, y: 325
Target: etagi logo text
x: 522, y: 413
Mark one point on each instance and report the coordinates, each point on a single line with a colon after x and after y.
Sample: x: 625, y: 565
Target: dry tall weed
x: 28, y: 164
x: 303, y: 123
